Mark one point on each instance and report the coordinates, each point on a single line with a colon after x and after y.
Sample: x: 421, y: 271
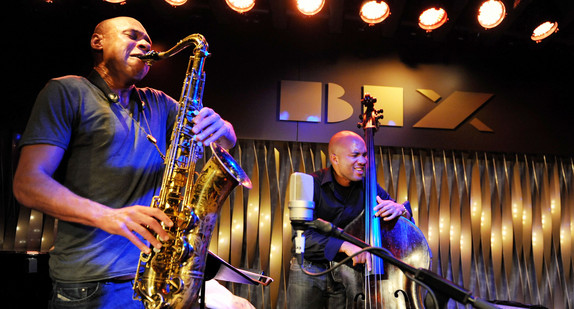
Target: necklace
x: 149, y: 135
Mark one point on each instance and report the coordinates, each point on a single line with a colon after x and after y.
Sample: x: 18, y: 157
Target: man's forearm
x: 43, y: 193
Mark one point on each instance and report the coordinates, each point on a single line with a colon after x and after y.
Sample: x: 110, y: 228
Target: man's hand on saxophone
x: 35, y: 187
x: 132, y: 220
x: 209, y: 127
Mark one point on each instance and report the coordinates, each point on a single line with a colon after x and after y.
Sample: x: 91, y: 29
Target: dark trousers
x: 90, y: 295
x: 335, y: 290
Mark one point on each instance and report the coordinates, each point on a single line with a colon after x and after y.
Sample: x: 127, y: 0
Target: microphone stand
x: 439, y: 285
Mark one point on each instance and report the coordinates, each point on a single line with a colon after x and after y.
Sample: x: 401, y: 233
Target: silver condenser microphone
x: 301, y: 208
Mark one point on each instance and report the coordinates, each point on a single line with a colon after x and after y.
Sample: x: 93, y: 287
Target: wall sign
x: 303, y: 101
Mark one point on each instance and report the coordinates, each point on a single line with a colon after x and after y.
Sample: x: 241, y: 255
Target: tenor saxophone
x: 171, y: 277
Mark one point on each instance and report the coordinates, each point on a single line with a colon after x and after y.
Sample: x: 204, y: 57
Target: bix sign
x: 302, y: 101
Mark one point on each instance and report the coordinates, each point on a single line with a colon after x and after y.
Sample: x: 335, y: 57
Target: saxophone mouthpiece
x: 150, y: 57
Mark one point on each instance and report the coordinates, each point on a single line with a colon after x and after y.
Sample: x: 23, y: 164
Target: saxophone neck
x: 198, y: 40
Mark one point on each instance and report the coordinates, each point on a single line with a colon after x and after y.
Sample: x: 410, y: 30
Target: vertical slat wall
x: 500, y: 225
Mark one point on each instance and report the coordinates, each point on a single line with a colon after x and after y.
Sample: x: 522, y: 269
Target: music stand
x: 217, y: 268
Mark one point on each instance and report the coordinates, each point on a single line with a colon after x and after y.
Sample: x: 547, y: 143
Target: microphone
x: 301, y: 208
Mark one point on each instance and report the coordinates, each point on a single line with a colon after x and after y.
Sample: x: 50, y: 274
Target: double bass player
x: 339, y: 198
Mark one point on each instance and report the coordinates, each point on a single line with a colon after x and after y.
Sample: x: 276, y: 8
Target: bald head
x: 110, y: 24
x: 347, y: 153
x: 341, y: 140
x: 117, y: 43
x: 113, y: 26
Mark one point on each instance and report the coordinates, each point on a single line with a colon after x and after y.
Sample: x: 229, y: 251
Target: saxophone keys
x: 183, y: 249
x: 144, y: 258
x: 190, y: 114
x: 176, y: 285
x: 187, y: 219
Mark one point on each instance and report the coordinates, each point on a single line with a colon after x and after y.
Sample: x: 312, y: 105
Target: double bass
x: 386, y: 286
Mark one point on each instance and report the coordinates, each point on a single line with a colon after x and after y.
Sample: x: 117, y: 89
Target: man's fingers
x: 147, y: 235
x: 140, y: 220
x: 153, y: 225
x: 205, y: 120
x: 209, y: 127
x: 159, y: 215
x: 205, y: 129
x: 215, y: 136
x: 136, y: 241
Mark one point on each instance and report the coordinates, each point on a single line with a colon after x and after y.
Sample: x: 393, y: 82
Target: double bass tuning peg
x: 361, y: 121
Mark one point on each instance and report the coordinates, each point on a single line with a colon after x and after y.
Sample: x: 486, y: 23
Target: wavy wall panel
x: 252, y: 211
x: 496, y: 239
x: 507, y: 232
x: 502, y: 227
x: 444, y: 225
x: 264, y: 240
x: 455, y: 235
x: 465, y: 240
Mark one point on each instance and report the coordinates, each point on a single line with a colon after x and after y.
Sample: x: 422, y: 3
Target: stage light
x: 110, y: 1
x: 241, y: 6
x: 432, y: 18
x: 373, y: 12
x: 491, y: 13
x: 176, y: 2
x: 310, y: 7
x: 544, y: 30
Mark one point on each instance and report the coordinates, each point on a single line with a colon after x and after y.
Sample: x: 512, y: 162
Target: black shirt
x: 338, y: 205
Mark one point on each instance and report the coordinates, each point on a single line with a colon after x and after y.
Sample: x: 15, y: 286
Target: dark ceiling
x: 338, y: 17
x: 43, y: 40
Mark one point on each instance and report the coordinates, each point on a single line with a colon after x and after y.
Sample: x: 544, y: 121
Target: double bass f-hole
x: 385, y: 283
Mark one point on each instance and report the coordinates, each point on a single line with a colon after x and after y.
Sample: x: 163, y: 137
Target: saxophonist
x: 106, y: 138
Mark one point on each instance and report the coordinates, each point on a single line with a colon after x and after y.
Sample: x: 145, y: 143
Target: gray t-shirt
x: 108, y: 159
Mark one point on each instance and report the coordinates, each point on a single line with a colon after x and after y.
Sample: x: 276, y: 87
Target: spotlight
x: 373, y: 12
x: 241, y: 6
x: 544, y: 30
x: 110, y: 1
x: 432, y: 18
x: 491, y: 13
x: 176, y: 2
x: 310, y: 7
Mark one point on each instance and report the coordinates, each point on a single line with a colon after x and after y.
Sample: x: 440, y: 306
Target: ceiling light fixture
x: 544, y: 30
x: 241, y: 6
x: 432, y: 18
x: 373, y: 12
x: 491, y: 13
x: 176, y: 2
x: 310, y: 7
x: 110, y: 1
